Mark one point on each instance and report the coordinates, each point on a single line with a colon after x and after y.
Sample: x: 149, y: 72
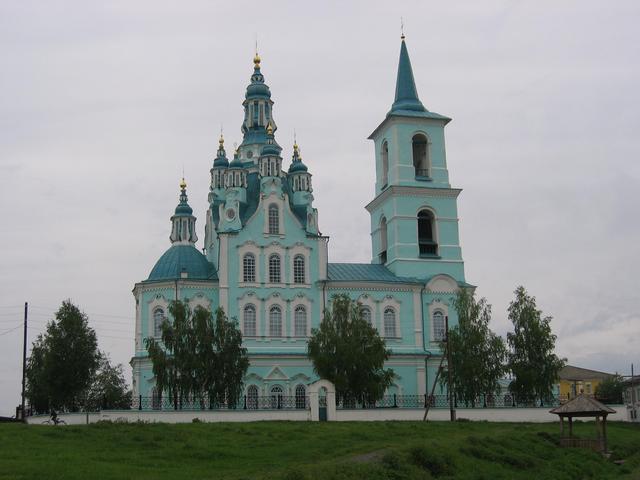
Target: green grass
x: 297, y: 450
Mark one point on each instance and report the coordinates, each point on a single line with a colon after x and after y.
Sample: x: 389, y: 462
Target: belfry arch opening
x: 420, y: 144
x: 383, y: 240
x: 426, y: 239
x: 385, y: 163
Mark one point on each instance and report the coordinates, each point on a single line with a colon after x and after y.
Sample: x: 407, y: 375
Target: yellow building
x: 575, y: 380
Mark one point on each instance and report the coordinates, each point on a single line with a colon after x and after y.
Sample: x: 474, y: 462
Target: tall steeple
x: 257, y: 114
x: 184, y: 223
x: 406, y: 92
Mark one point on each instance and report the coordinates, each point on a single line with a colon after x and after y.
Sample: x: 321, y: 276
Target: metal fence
x: 442, y: 401
x: 247, y: 402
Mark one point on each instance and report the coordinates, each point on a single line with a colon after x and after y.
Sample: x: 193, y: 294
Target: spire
x: 184, y: 223
x: 406, y: 93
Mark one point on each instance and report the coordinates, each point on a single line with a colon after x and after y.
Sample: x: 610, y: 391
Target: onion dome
x: 221, y: 158
x: 296, y: 161
x: 271, y: 147
x: 183, y: 208
x: 257, y: 87
x: 236, y: 162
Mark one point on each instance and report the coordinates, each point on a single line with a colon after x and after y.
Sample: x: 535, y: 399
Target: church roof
x: 181, y: 259
x: 364, y: 272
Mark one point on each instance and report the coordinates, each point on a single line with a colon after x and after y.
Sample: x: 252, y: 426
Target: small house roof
x: 582, y: 406
x: 570, y: 372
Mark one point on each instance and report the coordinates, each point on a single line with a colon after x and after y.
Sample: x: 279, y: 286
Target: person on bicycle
x: 54, y: 417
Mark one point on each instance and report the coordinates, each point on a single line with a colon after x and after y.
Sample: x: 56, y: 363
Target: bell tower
x: 414, y: 219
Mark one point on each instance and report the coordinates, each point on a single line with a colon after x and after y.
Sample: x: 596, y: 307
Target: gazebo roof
x: 582, y: 406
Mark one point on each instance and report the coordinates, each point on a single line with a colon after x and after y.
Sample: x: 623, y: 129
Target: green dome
x: 183, y: 259
x: 297, y: 167
x: 183, y: 209
x: 221, y: 162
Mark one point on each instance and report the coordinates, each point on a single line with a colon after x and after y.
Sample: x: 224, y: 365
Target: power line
x: 10, y: 330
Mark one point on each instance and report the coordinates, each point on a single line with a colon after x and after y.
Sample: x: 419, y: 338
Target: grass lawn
x: 297, y: 450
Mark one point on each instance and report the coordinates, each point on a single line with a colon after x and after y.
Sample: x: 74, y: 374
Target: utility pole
x: 452, y: 410
x: 24, y: 361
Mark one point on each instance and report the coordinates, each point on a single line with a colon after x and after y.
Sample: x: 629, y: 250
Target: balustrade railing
x: 266, y: 402
x: 442, y: 401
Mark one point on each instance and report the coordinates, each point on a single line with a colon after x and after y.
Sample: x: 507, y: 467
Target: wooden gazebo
x: 584, y: 406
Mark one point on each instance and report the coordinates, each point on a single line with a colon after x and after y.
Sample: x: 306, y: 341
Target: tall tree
x: 62, y: 362
x: 109, y: 389
x: 199, y: 357
x: 348, y: 351
x: 610, y: 390
x: 477, y: 354
x: 532, y: 360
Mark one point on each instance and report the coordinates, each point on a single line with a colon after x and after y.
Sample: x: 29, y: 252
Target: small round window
x: 250, y: 154
x: 231, y: 214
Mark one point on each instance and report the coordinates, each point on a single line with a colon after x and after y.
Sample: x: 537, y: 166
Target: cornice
x: 412, y: 191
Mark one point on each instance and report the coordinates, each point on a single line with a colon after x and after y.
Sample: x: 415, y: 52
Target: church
x: 264, y: 259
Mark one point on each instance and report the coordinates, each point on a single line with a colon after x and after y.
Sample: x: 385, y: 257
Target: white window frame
x: 246, y: 269
x: 390, y: 333
x: 273, y: 224
x: 439, y: 334
x: 391, y: 302
x: 269, y: 321
x: 273, y: 278
x: 299, y: 278
x: 305, y: 330
x: 245, y: 308
x: 252, y: 248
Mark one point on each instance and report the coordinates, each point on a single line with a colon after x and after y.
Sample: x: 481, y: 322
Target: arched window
x: 274, y: 219
x: 249, y: 321
x: 439, y: 331
x: 276, y: 396
x: 385, y: 164
x: 300, y: 321
x: 389, y: 322
x: 275, y: 321
x: 158, y: 320
x: 249, y: 268
x: 426, y: 240
x: 301, y: 397
x: 274, y: 268
x: 383, y: 240
x: 366, y: 315
x: 252, y: 397
x: 420, y: 159
x: 298, y: 269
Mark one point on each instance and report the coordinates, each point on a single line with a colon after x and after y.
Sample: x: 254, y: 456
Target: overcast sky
x: 104, y: 103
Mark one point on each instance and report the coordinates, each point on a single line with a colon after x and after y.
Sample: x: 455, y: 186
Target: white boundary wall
x: 537, y: 415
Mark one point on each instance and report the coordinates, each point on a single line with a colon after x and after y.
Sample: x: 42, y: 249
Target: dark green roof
x: 364, y: 272
x: 183, y: 258
x: 406, y: 93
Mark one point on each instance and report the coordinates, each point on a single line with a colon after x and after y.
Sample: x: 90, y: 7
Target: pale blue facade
x: 265, y: 261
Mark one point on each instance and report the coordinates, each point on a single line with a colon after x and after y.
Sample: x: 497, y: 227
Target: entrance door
x: 322, y: 404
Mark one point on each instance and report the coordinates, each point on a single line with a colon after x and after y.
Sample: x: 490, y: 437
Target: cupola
x: 184, y: 223
x: 220, y: 164
x: 257, y: 113
x: 299, y: 177
x: 270, y: 163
